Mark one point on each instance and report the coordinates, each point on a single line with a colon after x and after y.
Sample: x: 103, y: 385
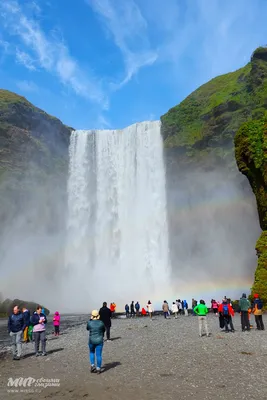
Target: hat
x: 256, y: 296
x: 95, y: 314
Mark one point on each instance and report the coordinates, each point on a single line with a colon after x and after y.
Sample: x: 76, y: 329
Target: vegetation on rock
x: 203, y: 126
x: 251, y: 156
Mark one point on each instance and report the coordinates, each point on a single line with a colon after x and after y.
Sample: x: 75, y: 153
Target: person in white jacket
x: 175, y: 309
x: 149, y: 308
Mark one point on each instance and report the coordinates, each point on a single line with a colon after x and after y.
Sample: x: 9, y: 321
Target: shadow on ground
x: 48, y: 352
x: 111, y: 365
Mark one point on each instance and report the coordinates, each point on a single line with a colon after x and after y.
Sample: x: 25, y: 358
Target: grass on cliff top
x: 8, y: 98
x: 187, y: 120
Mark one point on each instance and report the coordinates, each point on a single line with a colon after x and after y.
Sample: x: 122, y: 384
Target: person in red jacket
x: 227, y: 312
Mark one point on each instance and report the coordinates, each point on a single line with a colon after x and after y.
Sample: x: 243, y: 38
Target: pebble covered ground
x: 148, y: 360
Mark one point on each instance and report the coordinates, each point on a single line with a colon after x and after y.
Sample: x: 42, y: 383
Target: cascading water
x: 117, y: 246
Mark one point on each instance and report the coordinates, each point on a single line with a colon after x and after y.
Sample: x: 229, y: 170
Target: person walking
x: 149, y: 309
x: 16, y: 326
x: 201, y: 311
x: 96, y: 330
x: 105, y: 316
x: 26, y: 316
x: 227, y: 312
x: 175, y: 310
x: 257, y: 309
x: 244, y: 305
x: 56, y: 323
x: 39, y: 320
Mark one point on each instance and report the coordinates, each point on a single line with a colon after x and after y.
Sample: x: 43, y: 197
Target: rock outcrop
x: 201, y: 131
x: 33, y: 152
x: 251, y: 156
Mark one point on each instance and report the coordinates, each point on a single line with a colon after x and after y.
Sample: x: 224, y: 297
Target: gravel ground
x: 148, y: 360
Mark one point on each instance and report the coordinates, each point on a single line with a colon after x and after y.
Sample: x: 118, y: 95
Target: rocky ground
x: 159, y: 359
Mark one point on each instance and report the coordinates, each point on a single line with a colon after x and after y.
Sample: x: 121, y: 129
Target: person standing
x: 149, y: 309
x: 132, y: 309
x: 56, y: 323
x: 226, y: 310
x: 244, y: 305
x: 258, y: 311
x: 39, y: 321
x: 201, y: 311
x: 16, y: 326
x: 96, y: 330
x: 137, y: 308
x: 26, y: 316
x: 185, y: 308
x: 175, y: 309
x: 105, y: 316
x: 165, y: 308
x: 127, y: 310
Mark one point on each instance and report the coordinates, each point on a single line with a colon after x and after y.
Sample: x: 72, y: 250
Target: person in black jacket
x: 105, y: 316
x: 16, y: 326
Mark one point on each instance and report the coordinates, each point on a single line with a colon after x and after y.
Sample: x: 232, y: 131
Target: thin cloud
x: 25, y: 59
x: 128, y: 28
x: 39, y: 51
x: 27, y: 86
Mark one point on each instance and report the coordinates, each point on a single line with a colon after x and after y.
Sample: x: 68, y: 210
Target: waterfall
x: 117, y: 246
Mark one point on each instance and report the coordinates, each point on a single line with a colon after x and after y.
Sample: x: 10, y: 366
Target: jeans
x: 96, y: 349
x: 245, y: 321
x: 202, y: 322
x: 16, y: 338
x: 166, y: 314
x: 259, y: 322
x: 39, y: 336
x: 56, y: 329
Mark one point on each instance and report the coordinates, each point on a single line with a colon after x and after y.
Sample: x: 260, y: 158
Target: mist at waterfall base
x: 71, y: 245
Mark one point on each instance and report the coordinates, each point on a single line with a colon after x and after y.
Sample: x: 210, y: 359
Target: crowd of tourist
x: 25, y: 327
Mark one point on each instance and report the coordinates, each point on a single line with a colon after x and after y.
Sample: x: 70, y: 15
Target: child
x: 56, y: 323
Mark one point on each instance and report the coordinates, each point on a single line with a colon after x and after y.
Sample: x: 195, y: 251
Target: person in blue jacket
x: 16, y: 326
x: 96, y: 330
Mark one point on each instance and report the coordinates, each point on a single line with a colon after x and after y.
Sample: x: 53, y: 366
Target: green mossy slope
x: 203, y: 126
x: 251, y: 156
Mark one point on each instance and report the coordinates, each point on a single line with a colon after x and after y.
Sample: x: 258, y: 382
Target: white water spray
x: 117, y: 246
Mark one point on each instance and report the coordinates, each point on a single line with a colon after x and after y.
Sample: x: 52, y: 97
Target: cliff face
x: 199, y: 134
x: 251, y: 156
x: 33, y: 153
x: 201, y: 128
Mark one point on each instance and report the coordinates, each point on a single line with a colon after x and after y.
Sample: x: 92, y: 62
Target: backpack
x: 225, y: 309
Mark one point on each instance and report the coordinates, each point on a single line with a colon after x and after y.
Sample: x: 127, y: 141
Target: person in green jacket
x: 96, y: 330
x: 201, y: 311
x: 244, y: 305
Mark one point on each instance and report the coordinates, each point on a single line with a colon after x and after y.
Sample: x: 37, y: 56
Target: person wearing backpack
x: 226, y: 310
x: 257, y: 310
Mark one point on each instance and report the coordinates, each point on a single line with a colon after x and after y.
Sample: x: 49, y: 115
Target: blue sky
x: 110, y: 63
